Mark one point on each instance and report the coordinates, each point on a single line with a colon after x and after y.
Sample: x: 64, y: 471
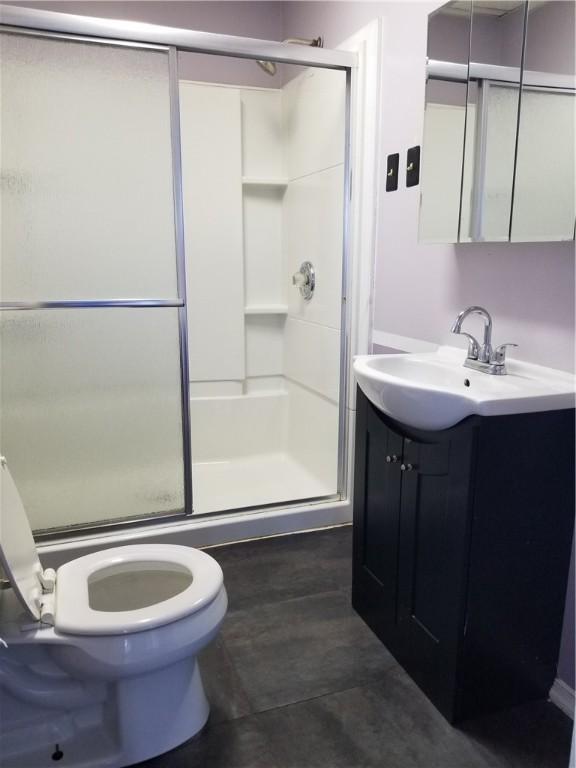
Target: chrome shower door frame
x: 140, y: 35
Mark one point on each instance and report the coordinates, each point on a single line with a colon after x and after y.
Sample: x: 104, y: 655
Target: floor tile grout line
x: 282, y: 538
x: 335, y: 591
x: 393, y: 665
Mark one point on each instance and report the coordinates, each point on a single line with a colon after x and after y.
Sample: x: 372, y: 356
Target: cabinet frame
x: 490, y: 635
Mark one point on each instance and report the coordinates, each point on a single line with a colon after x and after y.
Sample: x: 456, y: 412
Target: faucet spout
x: 485, y: 349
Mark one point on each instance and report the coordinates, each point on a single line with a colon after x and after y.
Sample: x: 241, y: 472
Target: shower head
x: 270, y: 67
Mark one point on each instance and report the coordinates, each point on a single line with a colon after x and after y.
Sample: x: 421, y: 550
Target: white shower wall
x: 263, y: 191
x: 314, y: 106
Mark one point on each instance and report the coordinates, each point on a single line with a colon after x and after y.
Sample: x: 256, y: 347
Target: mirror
x: 495, y: 166
x: 491, y: 120
x: 544, y: 191
x: 444, y: 123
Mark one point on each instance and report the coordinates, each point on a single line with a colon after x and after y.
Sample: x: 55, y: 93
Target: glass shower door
x: 93, y: 419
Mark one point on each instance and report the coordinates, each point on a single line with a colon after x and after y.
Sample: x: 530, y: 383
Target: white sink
x: 434, y: 391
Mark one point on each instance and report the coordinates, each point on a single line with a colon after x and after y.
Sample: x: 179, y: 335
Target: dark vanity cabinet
x: 462, y: 542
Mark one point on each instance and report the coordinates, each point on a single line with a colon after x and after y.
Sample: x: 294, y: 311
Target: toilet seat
x: 62, y: 599
x: 74, y: 615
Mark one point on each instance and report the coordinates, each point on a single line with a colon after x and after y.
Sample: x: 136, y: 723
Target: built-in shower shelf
x: 266, y: 309
x: 262, y: 181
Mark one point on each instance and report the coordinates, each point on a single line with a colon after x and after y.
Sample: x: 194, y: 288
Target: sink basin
x: 433, y: 390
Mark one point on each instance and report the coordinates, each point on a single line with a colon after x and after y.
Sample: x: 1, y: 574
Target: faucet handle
x: 473, y: 345
x: 500, y: 352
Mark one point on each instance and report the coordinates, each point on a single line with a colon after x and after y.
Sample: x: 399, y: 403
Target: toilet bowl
x: 98, y: 658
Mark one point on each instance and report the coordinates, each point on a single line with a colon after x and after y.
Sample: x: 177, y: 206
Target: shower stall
x: 174, y: 273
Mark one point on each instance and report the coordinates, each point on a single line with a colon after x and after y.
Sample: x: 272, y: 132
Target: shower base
x: 252, y: 481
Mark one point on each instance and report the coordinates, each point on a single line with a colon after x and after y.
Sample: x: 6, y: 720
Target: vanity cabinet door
x: 376, y: 522
x: 435, y: 513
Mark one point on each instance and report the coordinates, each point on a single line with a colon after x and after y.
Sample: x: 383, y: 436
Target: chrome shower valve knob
x: 305, y: 280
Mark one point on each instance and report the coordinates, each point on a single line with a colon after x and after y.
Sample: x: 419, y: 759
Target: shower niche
x: 263, y: 181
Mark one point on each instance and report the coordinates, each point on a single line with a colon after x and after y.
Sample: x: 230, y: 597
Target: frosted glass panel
x: 495, y: 201
x: 86, y: 171
x: 90, y: 413
x: 544, y: 195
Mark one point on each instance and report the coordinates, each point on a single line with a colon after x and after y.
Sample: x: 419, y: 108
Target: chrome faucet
x: 482, y: 357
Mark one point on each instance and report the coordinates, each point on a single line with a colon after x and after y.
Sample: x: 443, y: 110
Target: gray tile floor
x: 296, y: 680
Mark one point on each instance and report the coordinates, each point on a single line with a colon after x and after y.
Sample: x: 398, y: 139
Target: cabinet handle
x: 392, y: 459
x: 407, y: 467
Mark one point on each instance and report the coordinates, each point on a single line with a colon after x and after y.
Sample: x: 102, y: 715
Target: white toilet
x: 98, y: 659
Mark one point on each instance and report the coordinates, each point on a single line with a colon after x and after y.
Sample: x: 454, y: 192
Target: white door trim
x: 365, y: 127
x: 563, y: 697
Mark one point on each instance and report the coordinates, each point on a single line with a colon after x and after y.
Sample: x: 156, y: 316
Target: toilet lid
x: 18, y: 554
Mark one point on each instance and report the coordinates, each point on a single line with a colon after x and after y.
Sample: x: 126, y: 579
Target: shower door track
x: 90, y: 304
x: 130, y: 32
x: 82, y: 531
x: 171, y: 39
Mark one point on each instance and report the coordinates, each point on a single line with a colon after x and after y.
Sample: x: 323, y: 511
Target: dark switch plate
x: 392, y: 172
x: 413, y: 166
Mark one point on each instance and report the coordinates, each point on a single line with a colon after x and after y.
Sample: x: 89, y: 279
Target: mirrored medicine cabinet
x: 498, y: 160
